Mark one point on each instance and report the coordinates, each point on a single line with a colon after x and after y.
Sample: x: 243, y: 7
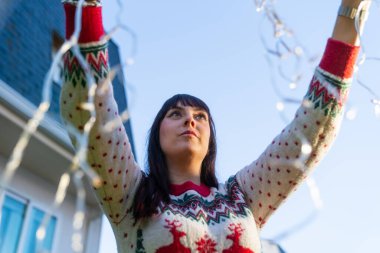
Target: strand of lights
x: 79, y: 160
x: 80, y: 157
x: 17, y: 154
x: 123, y: 65
x: 359, y: 25
x: 283, y: 51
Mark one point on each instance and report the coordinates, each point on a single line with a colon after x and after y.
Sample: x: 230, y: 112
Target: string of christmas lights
x: 286, y: 46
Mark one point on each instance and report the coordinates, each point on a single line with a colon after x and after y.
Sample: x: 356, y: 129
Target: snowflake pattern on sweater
x: 200, y: 219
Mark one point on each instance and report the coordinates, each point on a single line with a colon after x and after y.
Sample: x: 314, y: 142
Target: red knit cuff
x: 339, y: 58
x: 92, y: 25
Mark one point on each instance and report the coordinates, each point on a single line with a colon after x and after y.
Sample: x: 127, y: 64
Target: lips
x: 188, y: 132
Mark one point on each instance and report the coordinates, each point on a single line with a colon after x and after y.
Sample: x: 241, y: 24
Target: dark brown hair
x: 154, y: 187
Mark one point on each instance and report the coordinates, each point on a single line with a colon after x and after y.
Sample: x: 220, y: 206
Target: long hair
x: 154, y: 187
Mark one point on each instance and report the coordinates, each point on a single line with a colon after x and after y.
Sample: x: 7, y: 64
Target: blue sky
x: 212, y: 49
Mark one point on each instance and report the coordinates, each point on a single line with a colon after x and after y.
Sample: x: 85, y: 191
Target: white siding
x: 41, y: 194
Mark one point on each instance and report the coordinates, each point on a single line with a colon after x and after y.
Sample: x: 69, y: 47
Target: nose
x: 189, y: 121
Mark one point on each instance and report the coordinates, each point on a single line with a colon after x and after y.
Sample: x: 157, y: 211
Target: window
x: 19, y: 224
x: 12, y: 218
x: 35, y: 221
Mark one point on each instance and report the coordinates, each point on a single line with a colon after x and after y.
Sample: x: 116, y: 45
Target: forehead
x: 180, y: 106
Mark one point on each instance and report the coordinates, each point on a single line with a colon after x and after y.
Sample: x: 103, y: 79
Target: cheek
x: 206, y: 137
x: 165, y: 132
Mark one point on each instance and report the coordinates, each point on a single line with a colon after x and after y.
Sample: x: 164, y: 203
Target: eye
x: 174, y: 114
x: 201, y: 116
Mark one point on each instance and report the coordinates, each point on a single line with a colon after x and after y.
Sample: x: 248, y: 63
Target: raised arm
x: 269, y: 180
x: 109, y: 152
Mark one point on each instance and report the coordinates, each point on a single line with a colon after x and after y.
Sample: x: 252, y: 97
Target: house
x: 31, y: 32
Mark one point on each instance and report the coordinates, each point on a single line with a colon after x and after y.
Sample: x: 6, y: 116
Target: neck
x: 182, y: 170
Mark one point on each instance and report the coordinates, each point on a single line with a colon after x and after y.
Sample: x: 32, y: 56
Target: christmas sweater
x: 199, y: 219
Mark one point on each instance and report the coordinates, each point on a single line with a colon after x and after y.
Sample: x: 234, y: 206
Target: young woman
x: 178, y: 204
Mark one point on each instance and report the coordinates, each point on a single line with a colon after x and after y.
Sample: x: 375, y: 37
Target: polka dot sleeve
x: 285, y: 163
x: 109, y: 150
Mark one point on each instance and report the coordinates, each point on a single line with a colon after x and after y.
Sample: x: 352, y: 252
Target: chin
x: 187, y: 150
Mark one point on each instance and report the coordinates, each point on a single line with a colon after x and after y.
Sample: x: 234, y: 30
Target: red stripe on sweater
x: 339, y: 58
x: 92, y: 25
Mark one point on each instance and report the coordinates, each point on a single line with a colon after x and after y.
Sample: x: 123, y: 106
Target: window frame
x: 21, y: 199
x: 29, y: 205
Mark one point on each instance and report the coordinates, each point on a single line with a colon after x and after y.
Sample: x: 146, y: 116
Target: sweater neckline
x: 178, y: 189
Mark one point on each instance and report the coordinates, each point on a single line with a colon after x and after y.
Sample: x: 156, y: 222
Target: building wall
x: 40, y: 193
x: 26, y: 45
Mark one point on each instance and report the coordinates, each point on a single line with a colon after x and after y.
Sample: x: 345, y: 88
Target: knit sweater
x: 198, y: 218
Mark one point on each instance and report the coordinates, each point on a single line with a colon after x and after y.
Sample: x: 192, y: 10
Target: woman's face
x: 185, y: 130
